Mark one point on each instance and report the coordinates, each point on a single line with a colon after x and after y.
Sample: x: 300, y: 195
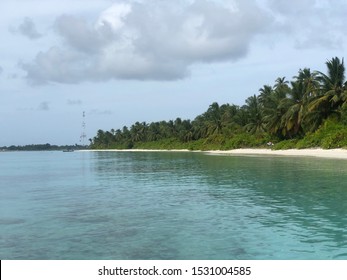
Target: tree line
x: 285, y: 112
x: 41, y: 147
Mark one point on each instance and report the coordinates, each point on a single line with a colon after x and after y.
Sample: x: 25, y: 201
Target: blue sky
x: 149, y: 60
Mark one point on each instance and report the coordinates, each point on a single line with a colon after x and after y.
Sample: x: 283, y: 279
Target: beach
x: 321, y: 153
x: 316, y: 152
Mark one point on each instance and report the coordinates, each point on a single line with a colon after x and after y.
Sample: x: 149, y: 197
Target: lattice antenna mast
x: 83, y: 134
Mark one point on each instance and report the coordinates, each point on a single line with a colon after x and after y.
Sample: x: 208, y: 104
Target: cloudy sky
x: 122, y: 61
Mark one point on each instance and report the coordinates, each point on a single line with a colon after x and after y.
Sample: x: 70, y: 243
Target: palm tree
x: 272, y: 112
x: 255, y: 115
x: 333, y: 90
x: 109, y: 139
x: 199, y: 127
x: 126, y: 134
x: 138, y: 131
x: 99, y: 139
x: 265, y: 94
x: 229, y: 119
x: 303, y: 88
x: 333, y: 84
x: 310, y: 82
x: 294, y: 107
x: 242, y: 116
x: 306, y: 87
x: 153, y: 132
x: 271, y: 98
x: 213, y: 118
x: 281, y: 87
x: 118, y: 136
x: 334, y: 81
x: 185, y: 133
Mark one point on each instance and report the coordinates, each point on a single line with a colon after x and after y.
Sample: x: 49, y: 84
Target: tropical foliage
x: 310, y: 110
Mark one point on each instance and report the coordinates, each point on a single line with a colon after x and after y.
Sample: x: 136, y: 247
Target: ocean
x: 171, y: 206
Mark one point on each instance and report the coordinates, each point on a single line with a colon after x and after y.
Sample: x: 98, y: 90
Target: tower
x: 83, y: 133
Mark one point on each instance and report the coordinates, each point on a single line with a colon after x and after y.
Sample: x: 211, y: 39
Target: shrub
x: 286, y: 144
x: 332, y: 134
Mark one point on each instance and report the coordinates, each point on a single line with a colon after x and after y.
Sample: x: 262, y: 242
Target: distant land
x: 42, y: 147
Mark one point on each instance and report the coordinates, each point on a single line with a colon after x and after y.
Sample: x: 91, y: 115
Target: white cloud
x: 57, y: 65
x: 28, y: 29
x: 80, y: 36
x: 149, y: 40
x: 162, y: 40
x: 312, y: 23
x: 114, y: 15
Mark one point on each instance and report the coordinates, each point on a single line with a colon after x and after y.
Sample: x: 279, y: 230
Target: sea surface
x: 171, y: 205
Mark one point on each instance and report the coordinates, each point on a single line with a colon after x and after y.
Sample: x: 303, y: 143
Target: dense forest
x: 308, y: 111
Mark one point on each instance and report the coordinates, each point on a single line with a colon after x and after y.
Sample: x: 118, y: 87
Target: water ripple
x: 172, y: 206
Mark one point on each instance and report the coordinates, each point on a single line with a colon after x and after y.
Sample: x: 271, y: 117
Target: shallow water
x: 166, y: 205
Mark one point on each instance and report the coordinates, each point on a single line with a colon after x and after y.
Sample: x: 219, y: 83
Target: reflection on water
x: 144, y: 205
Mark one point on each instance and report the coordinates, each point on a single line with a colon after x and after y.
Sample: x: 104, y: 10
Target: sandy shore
x: 333, y: 153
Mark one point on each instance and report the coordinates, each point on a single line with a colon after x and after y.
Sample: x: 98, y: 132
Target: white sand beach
x: 317, y: 152
x: 333, y: 153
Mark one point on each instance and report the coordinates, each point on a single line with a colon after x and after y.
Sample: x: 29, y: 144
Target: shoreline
x: 315, y: 152
x: 137, y: 150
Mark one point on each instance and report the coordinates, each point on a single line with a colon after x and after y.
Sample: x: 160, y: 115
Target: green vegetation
x: 309, y: 111
x: 41, y: 147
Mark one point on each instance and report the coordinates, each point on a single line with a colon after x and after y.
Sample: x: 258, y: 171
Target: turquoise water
x: 160, y: 205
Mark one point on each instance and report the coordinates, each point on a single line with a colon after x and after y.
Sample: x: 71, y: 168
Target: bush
x: 332, y: 134
x: 309, y: 141
x: 286, y: 144
x: 246, y: 140
x: 337, y: 139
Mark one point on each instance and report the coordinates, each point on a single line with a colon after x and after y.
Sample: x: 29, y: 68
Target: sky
x: 122, y: 61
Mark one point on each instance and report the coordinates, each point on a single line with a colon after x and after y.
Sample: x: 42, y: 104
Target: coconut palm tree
x: 334, y: 81
x: 199, y: 127
x: 272, y: 111
x: 303, y: 88
x: 310, y: 82
x: 213, y: 117
x: 273, y: 107
x: 333, y: 84
x: 153, y: 132
x: 229, y: 119
x: 295, y: 108
x: 333, y: 91
x: 138, y: 131
x: 255, y: 115
x: 265, y: 94
x: 281, y: 87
